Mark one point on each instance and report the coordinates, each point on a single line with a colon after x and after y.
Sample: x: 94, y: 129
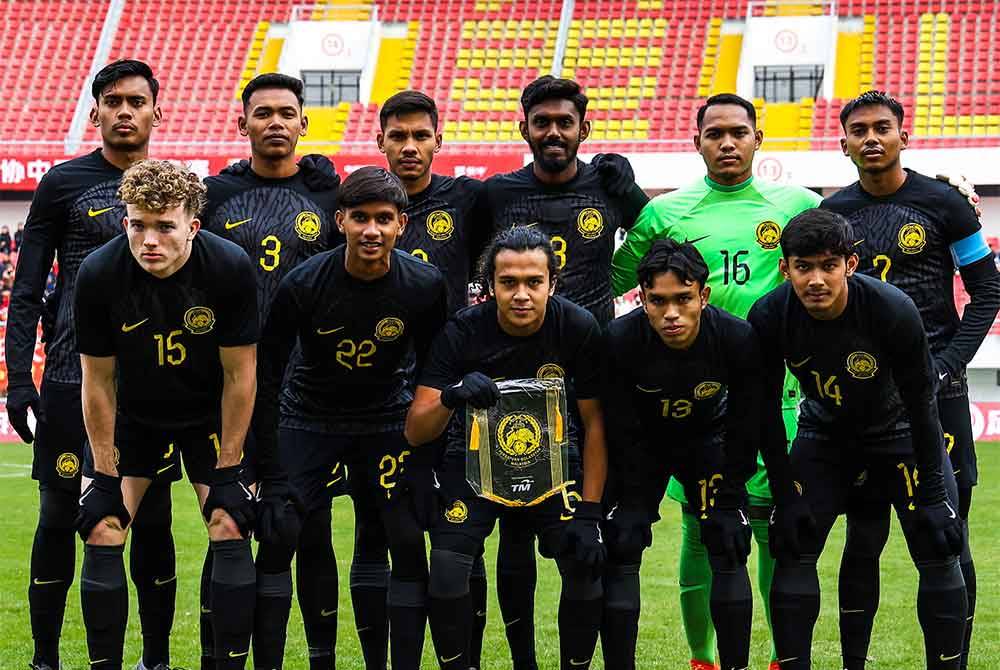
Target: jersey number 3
x: 272, y: 253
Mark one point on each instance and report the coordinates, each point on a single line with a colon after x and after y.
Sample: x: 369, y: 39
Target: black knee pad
x: 275, y: 585
x: 576, y: 584
x: 730, y: 582
x: 369, y: 574
x: 940, y: 575
x: 797, y: 577
x: 449, y: 574
x: 867, y: 535
x: 621, y: 586
x: 103, y: 572
x: 230, y: 564
x: 57, y: 508
x: 155, y: 509
x: 273, y: 558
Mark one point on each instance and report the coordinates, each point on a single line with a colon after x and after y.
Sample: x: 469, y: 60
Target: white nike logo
x: 942, y: 375
x: 743, y: 517
x: 161, y: 582
x: 480, y: 614
x: 843, y: 611
x: 787, y: 660
x: 573, y: 661
x: 42, y: 582
x: 953, y: 515
x: 85, y: 494
x: 950, y: 658
x: 449, y: 660
x: 511, y: 623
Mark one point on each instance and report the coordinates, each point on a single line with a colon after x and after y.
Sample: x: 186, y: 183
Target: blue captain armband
x: 971, y: 249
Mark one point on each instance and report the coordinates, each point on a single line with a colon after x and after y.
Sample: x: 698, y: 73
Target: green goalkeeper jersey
x: 737, y: 230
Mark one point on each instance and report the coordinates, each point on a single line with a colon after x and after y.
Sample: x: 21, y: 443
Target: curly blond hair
x: 156, y: 186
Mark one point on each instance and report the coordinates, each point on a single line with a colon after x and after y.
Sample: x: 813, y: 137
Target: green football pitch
x: 897, y: 642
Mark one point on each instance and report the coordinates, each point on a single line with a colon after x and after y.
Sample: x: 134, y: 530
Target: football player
x: 735, y: 222
x: 281, y: 212
x: 361, y: 314
x: 167, y: 325
x: 684, y: 379
x: 912, y: 232
x: 858, y: 348
x: 74, y: 211
x: 525, y: 332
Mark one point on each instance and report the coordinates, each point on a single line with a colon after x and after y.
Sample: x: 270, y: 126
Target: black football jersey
x: 449, y: 229
x: 580, y: 218
x: 567, y: 346
x: 278, y: 222
x: 663, y: 402
x: 165, y: 334
x: 74, y: 211
x: 866, y: 375
x: 905, y: 239
x: 358, y: 340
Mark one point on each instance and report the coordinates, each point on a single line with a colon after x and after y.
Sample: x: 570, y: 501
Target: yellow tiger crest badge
x: 440, y: 225
x: 199, y: 320
x: 862, y: 365
x: 457, y: 513
x: 389, y: 329
x: 308, y: 226
x: 768, y: 235
x: 519, y: 436
x: 706, y: 390
x: 912, y: 238
x: 67, y: 465
x: 550, y: 371
x: 590, y: 223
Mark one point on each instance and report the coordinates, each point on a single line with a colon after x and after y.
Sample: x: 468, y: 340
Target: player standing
x: 580, y: 207
x: 525, y: 332
x: 858, y: 348
x: 360, y: 313
x: 684, y: 379
x: 735, y: 222
x: 280, y: 212
x: 74, y: 211
x: 167, y: 326
x: 913, y: 231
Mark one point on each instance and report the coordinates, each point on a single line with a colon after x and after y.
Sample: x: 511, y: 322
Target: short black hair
x: 272, y: 80
x: 728, y: 99
x: 408, y: 102
x: 872, y: 99
x: 667, y: 255
x: 371, y: 184
x: 518, y: 238
x: 817, y: 231
x: 120, y: 69
x: 550, y: 88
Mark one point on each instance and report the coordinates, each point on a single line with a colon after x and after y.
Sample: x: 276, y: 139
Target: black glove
x: 22, y: 394
x: 943, y: 374
x: 726, y: 532
x: 790, y: 519
x: 942, y: 525
x: 582, y: 538
x: 318, y: 173
x: 279, y: 513
x: 421, y: 486
x: 237, y: 169
x: 616, y: 173
x: 629, y: 529
x: 101, y: 499
x: 228, y: 492
x: 475, y: 389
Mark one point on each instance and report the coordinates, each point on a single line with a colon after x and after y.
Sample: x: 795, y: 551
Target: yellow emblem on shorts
x: 550, y: 371
x: 590, y: 223
x: 67, y: 465
x: 388, y: 329
x: 706, y: 390
x: 457, y: 513
x: 440, y: 225
x: 912, y: 238
x: 308, y: 226
x: 862, y: 365
x: 520, y: 438
x: 199, y: 320
x: 768, y: 235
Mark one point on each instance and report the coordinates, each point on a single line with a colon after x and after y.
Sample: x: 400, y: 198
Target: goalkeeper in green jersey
x: 735, y: 221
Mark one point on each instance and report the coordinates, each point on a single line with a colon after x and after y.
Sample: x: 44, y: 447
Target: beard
x: 554, y: 165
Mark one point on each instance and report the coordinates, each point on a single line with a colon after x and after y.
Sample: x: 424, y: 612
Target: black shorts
x: 156, y: 454
x: 60, y: 437
x: 836, y: 476
x: 468, y: 520
x: 318, y: 464
x: 957, y: 425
